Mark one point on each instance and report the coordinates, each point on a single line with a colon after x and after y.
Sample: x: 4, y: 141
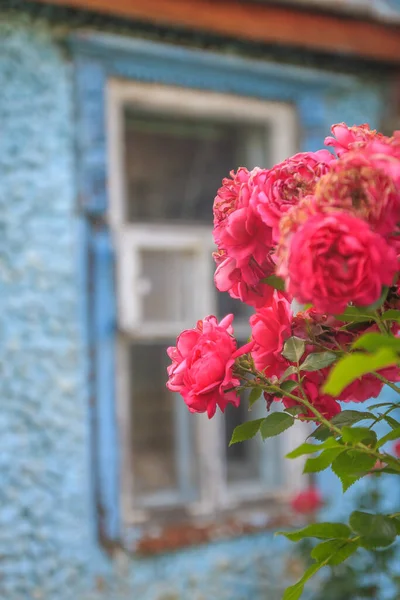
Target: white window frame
x: 280, y: 119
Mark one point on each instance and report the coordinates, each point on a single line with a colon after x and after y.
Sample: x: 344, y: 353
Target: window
x: 169, y: 149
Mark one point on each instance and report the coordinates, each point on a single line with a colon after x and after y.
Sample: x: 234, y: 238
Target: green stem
x: 387, y: 382
x: 389, y: 459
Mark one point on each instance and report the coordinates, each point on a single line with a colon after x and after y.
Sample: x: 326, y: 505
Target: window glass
x: 243, y: 458
x: 162, y: 456
x: 174, y: 166
x: 167, y: 285
x: 252, y: 461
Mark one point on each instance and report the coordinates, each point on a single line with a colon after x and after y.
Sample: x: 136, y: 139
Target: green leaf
x: 314, y: 448
x: 288, y: 386
x: 389, y: 437
x: 321, y: 434
x: 254, y: 396
x: 394, y: 424
x: 296, y: 410
x: 333, y: 552
x: 396, y: 522
x: 377, y: 531
x: 343, y: 553
x: 275, y: 282
x: 352, y: 314
x: 351, y: 465
x: 275, y: 423
x: 373, y: 341
x: 380, y: 301
x: 294, y: 348
x: 325, y: 549
x: 323, y: 461
x: 359, y: 434
x: 382, y: 405
x: 387, y: 470
x: 391, y: 315
x: 349, y: 417
x: 318, y: 360
x: 302, y: 450
x: 356, y: 365
x: 322, y: 531
x: 289, y: 371
x: 295, y: 591
x: 245, y: 431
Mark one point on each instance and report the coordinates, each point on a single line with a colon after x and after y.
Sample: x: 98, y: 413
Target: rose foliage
x: 319, y: 231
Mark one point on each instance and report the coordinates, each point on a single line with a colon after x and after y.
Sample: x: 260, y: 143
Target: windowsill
x: 166, y: 538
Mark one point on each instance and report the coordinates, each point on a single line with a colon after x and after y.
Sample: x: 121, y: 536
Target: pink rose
x: 270, y: 328
x: 307, y: 501
x: 362, y: 389
x: 368, y: 386
x: 202, y: 366
x: 396, y: 449
x: 336, y: 259
x: 245, y: 283
x: 238, y: 229
x: 228, y: 197
x: 346, y: 137
x: 361, y: 182
x: 276, y: 190
x: 291, y: 221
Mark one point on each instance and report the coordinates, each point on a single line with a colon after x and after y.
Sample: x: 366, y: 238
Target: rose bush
x: 313, y: 245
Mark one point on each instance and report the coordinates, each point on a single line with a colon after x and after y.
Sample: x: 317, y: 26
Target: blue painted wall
x: 48, y: 543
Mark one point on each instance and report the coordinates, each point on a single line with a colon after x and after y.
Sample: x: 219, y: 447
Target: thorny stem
x: 271, y: 387
x: 387, y: 382
x: 383, y: 457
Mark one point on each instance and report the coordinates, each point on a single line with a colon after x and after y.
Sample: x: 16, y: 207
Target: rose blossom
x: 307, y: 501
x: 202, y: 366
x: 361, y: 183
x: 276, y: 190
x: 270, y: 328
x: 238, y: 229
x: 245, y: 283
x: 291, y: 221
x: 345, y: 137
x: 227, y: 198
x: 396, y: 449
x: 336, y: 259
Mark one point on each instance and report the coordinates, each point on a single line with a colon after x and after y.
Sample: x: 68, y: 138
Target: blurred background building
x: 118, y: 121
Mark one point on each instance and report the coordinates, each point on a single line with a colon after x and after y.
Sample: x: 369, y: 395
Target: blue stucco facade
x: 52, y: 184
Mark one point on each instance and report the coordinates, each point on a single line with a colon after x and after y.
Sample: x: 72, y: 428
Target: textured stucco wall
x: 44, y: 515
x: 47, y: 542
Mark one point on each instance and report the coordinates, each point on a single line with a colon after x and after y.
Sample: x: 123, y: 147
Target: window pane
x: 162, y: 430
x: 174, y: 166
x: 243, y: 460
x: 169, y: 294
x: 252, y: 461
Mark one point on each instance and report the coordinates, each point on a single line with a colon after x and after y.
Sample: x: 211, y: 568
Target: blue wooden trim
x: 90, y: 86
x: 156, y: 61
x: 97, y: 58
x: 106, y: 437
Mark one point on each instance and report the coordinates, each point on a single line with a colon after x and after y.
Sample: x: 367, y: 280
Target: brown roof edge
x: 371, y: 10
x: 259, y: 22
